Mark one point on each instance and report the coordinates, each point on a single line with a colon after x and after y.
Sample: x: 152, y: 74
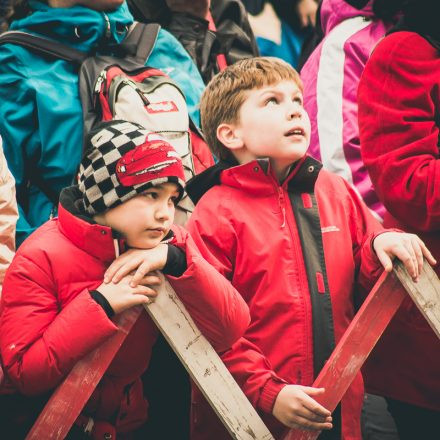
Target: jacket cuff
x: 102, y: 301
x: 269, y: 394
x: 176, y: 261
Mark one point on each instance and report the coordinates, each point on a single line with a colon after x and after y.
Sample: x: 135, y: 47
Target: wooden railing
x: 214, y: 380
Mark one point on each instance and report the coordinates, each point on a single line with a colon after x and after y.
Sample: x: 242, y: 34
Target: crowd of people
x: 299, y: 189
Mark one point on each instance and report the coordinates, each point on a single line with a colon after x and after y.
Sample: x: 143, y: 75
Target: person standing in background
x: 281, y: 26
x: 399, y: 126
x: 41, y: 119
x: 331, y: 75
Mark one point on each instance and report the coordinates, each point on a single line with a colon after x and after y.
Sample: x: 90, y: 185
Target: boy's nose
x: 294, y: 112
x: 163, y: 212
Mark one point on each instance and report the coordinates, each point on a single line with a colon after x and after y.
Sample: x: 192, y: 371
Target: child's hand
x: 406, y: 247
x: 296, y: 408
x: 142, y: 261
x: 122, y: 296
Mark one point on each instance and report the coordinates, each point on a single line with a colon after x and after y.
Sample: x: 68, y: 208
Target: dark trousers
x: 414, y: 422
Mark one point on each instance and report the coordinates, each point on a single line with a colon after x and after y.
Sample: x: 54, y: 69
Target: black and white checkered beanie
x: 109, y: 173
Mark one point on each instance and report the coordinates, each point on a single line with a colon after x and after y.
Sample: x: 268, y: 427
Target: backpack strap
x: 44, y: 46
x: 140, y: 41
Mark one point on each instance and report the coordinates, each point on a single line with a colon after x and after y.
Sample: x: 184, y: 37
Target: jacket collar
x: 255, y: 177
x: 82, y: 231
x: 334, y: 12
x: 78, y: 26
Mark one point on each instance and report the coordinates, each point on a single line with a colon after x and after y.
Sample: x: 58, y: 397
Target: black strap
x: 140, y: 41
x: 44, y: 46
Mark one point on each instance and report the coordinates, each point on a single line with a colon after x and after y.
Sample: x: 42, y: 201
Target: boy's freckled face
x: 274, y: 124
x: 146, y: 219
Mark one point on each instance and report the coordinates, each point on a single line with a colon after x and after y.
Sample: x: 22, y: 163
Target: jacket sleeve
x: 40, y: 338
x: 215, y: 237
x: 399, y: 95
x: 17, y: 122
x: 41, y: 127
x: 217, y: 308
x: 8, y: 216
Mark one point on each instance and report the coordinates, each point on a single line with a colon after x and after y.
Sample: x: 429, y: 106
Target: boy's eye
x: 152, y: 195
x: 173, y: 200
x: 271, y: 101
x: 298, y: 100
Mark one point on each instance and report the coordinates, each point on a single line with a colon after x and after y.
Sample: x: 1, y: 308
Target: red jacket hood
x: 334, y: 12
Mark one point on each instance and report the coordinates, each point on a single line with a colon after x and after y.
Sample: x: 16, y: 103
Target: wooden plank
x: 67, y: 401
x: 425, y: 293
x: 367, y: 327
x: 355, y: 346
x: 205, y: 367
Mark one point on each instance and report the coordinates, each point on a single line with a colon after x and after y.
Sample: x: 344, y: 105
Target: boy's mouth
x: 296, y: 131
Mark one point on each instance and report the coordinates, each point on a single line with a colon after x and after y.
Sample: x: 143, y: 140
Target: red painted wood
x: 69, y: 398
x: 355, y: 345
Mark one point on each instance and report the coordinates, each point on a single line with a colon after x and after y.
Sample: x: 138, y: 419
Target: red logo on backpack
x: 161, y: 107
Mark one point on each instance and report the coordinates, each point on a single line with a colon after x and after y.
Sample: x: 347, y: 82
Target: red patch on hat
x: 152, y: 160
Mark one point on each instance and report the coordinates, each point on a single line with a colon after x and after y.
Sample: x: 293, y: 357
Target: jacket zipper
x: 282, y: 205
x: 302, y: 276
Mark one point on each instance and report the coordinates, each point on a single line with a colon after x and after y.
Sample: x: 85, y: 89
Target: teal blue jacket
x: 40, y: 108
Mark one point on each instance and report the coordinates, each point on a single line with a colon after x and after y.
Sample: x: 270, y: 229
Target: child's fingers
x: 138, y: 300
x: 299, y: 422
x: 312, y: 416
x: 126, y: 268
x: 311, y: 404
x: 145, y: 291
x: 409, y: 259
x: 385, y: 260
x: 112, y: 269
x: 418, y: 253
x: 150, y: 280
x: 141, y: 271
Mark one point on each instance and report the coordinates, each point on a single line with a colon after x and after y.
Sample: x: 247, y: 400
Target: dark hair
x: 386, y: 10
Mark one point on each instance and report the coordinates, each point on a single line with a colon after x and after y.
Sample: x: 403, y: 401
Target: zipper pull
x: 142, y: 96
x: 281, y: 202
x: 108, y: 32
x: 101, y: 78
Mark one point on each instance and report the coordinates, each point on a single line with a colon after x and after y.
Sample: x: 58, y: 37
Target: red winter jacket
x: 247, y: 227
x: 399, y: 108
x: 49, y: 321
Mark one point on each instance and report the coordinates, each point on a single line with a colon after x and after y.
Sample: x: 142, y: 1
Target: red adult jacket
x: 49, y: 320
x: 294, y: 252
x: 399, y: 108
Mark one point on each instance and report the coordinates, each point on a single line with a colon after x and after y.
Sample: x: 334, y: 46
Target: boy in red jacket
x: 293, y: 239
x: 55, y: 306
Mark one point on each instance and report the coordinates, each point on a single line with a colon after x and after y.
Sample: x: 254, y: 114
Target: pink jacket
x: 8, y: 216
x: 331, y: 76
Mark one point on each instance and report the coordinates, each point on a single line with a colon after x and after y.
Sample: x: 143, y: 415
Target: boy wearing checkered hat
x: 56, y: 306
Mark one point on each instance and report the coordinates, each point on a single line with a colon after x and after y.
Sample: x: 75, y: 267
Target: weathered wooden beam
x: 367, y: 327
x: 68, y: 400
x: 206, y: 368
x: 425, y: 293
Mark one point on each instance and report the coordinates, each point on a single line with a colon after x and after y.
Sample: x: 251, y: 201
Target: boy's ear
x: 229, y: 136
